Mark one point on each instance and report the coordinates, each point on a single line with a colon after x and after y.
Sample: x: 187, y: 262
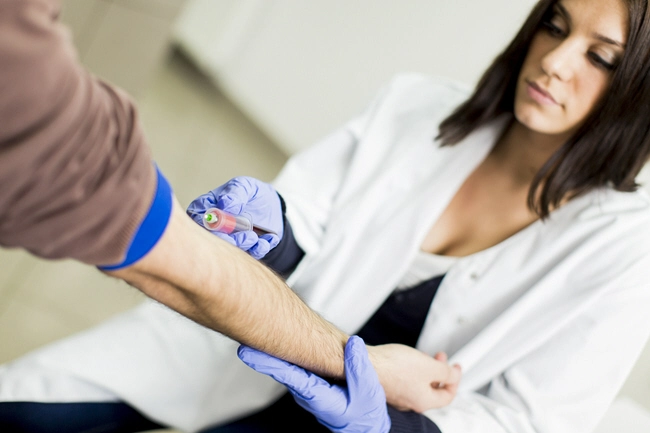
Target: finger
x: 440, y: 356
x: 443, y: 397
x: 360, y: 375
x: 260, y: 249
x: 451, y: 382
x: 451, y: 389
x: 449, y: 374
x: 455, y: 374
x: 295, y: 378
x: 272, y: 239
x: 249, y: 355
x: 453, y: 379
x: 245, y: 240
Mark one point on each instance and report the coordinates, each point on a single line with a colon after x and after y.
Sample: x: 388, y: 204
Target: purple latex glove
x: 358, y: 408
x: 256, y: 200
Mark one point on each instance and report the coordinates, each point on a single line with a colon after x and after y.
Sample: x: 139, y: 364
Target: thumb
x: 360, y: 375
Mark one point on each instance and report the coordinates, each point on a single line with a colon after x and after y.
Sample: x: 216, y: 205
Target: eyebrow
x: 565, y: 14
x: 608, y: 40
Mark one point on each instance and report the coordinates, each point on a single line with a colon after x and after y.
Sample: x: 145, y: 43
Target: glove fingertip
x: 357, y: 361
x: 245, y: 240
x: 271, y: 239
x: 355, y: 346
x: 260, y: 249
x: 248, y: 355
x: 242, y: 351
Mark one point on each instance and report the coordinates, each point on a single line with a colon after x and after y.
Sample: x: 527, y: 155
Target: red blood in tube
x: 224, y: 223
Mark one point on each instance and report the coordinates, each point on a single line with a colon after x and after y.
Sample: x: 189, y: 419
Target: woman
x: 525, y: 208
x: 520, y: 226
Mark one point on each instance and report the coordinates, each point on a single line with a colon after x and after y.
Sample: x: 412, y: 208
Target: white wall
x: 301, y: 68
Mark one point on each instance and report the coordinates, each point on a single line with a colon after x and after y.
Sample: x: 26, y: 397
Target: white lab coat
x: 546, y: 325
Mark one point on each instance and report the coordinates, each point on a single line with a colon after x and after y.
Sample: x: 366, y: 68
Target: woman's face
x: 569, y: 64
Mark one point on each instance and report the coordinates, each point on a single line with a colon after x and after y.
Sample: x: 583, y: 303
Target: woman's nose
x: 559, y: 61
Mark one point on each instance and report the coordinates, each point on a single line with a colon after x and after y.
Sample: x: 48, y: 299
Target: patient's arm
x: 223, y: 288
x: 94, y: 183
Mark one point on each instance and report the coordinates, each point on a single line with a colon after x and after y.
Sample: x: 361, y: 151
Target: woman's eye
x: 601, y: 63
x: 553, y: 29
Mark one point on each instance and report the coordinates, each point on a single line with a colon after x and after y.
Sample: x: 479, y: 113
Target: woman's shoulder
x: 609, y: 201
x: 615, y: 227
x: 600, y: 236
x: 610, y: 211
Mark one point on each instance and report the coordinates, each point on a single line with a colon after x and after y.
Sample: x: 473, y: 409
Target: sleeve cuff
x: 152, y: 227
x: 284, y: 258
x: 410, y: 422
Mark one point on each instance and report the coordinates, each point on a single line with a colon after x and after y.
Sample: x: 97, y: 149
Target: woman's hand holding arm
x: 414, y: 380
x: 357, y: 405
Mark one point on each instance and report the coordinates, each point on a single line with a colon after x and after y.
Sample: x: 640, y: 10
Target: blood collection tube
x: 219, y: 221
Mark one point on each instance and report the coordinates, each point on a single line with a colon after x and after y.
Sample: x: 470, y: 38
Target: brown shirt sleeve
x: 76, y: 175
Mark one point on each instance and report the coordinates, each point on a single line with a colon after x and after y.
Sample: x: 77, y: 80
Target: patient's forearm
x: 223, y: 288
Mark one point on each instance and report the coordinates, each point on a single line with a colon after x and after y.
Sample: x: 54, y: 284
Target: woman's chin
x: 532, y: 119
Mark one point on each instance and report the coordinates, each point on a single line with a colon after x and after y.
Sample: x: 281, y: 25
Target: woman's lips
x: 539, y: 95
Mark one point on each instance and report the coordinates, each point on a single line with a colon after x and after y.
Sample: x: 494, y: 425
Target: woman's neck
x: 522, y: 152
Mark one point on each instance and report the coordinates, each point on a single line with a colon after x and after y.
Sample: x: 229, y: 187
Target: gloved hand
x: 256, y: 200
x: 358, y: 408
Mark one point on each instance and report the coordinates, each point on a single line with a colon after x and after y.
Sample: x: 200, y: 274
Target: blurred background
x: 234, y: 87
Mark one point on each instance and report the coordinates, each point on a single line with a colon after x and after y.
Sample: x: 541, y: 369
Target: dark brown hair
x: 612, y: 144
